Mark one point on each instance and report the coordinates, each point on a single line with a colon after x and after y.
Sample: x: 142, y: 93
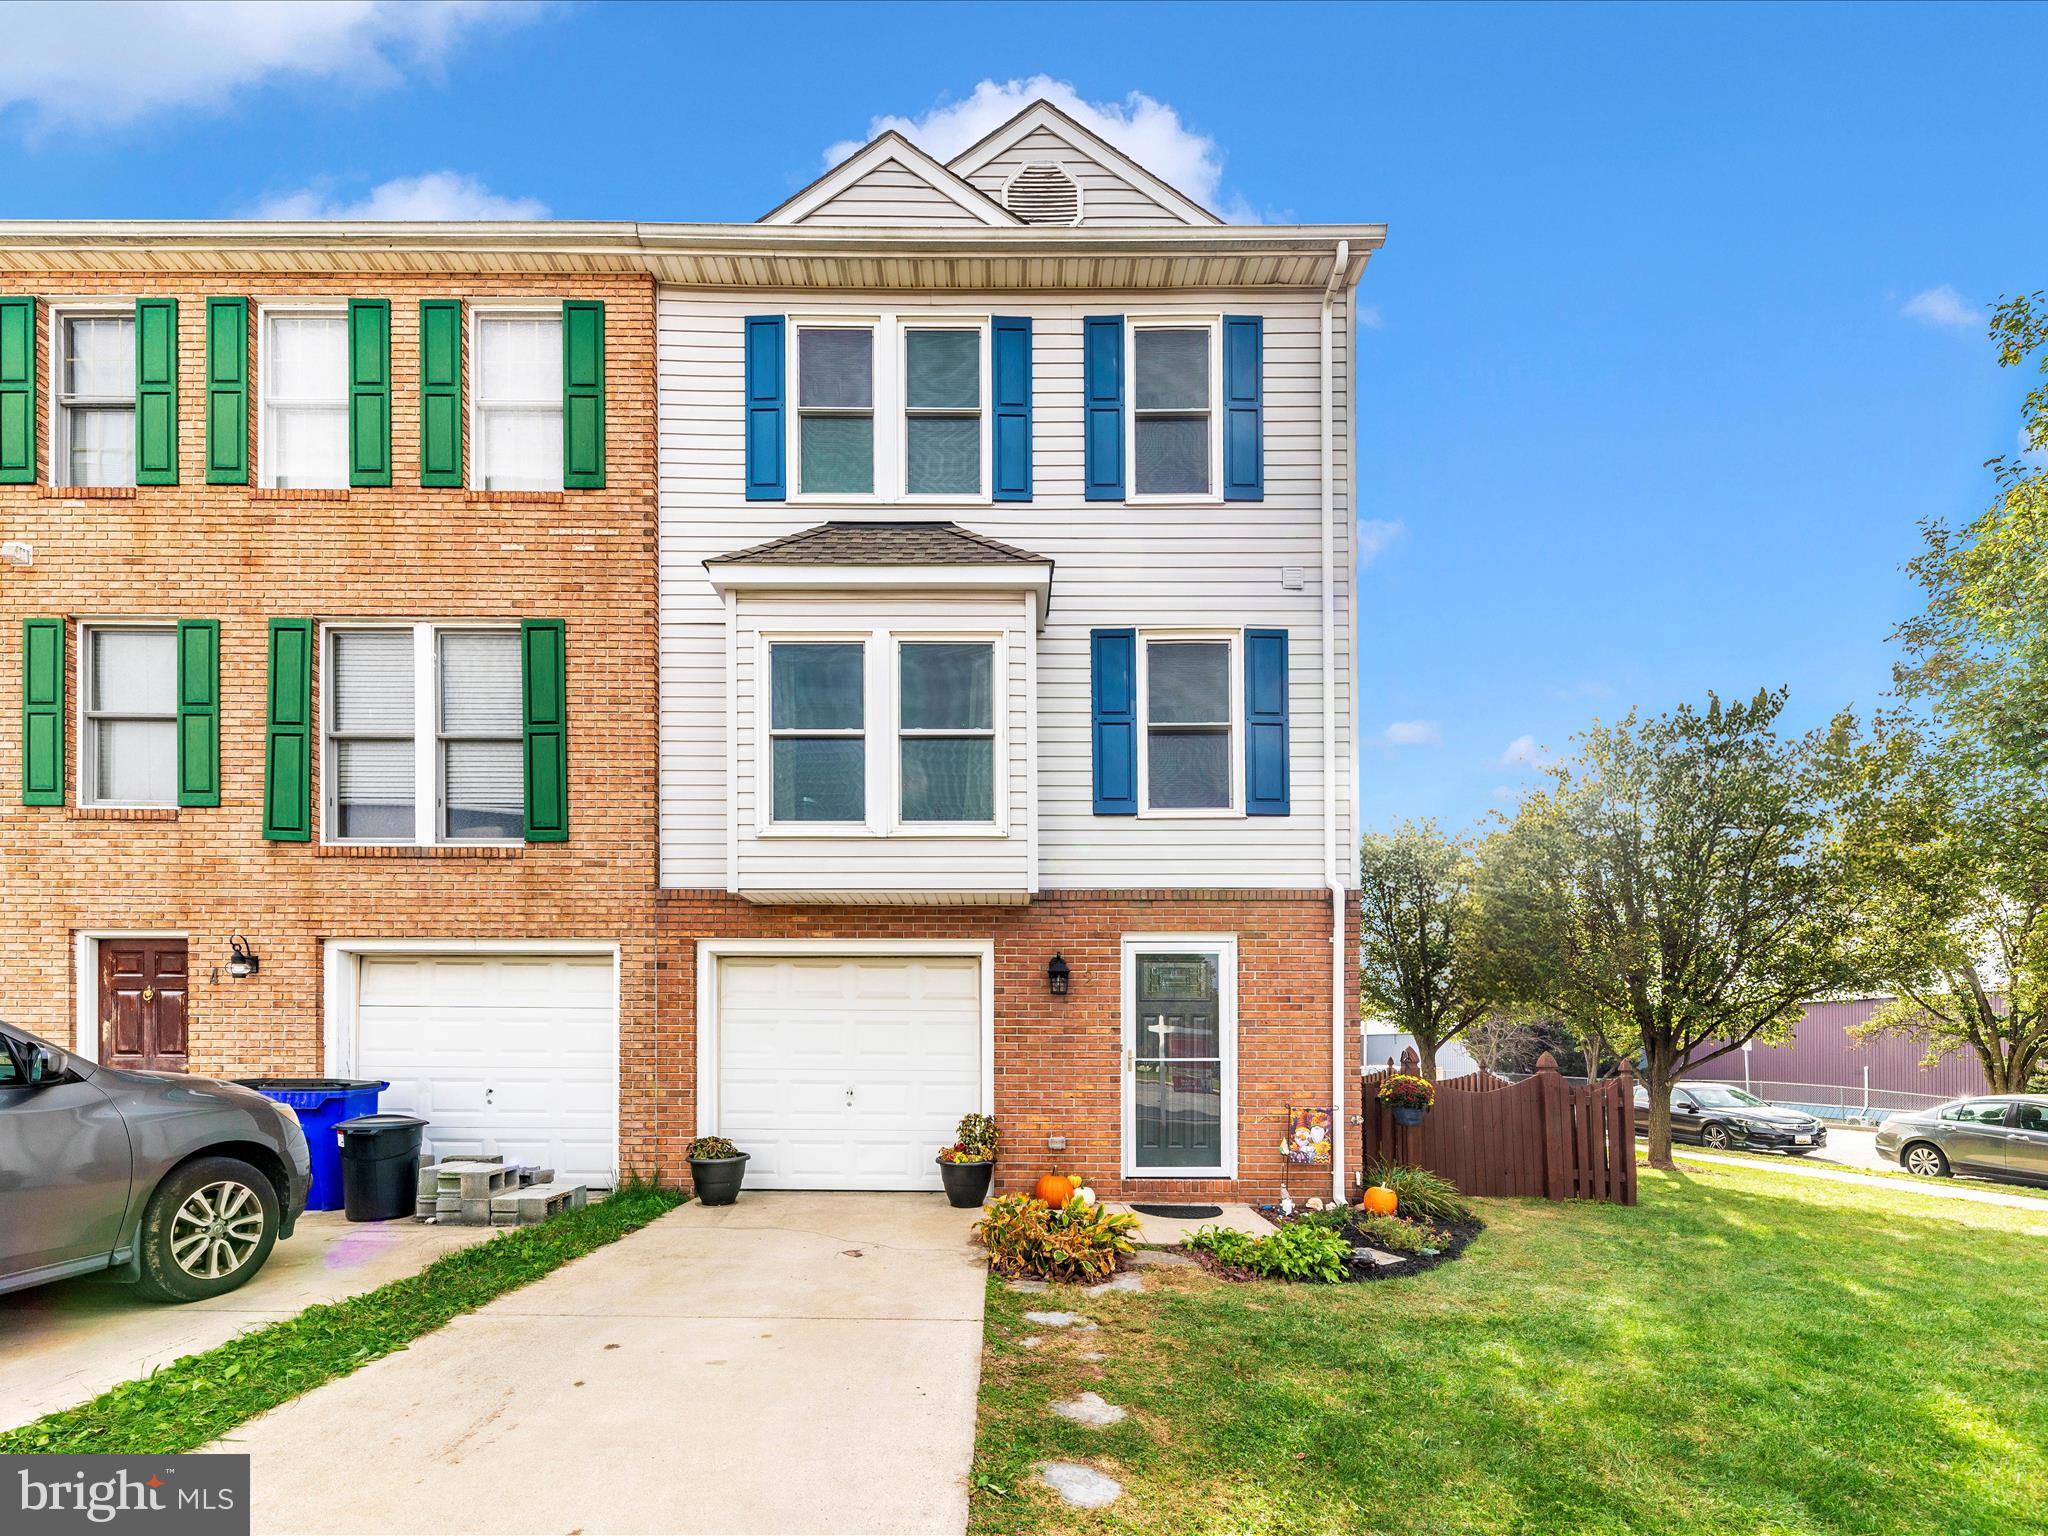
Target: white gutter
x: 1340, y: 1131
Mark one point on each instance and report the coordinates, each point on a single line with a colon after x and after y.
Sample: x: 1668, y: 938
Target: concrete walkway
x: 1940, y: 1189
x: 793, y: 1363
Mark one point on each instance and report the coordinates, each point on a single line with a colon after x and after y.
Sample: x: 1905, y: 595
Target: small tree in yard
x: 1674, y: 891
x: 1948, y: 836
x: 1418, y: 967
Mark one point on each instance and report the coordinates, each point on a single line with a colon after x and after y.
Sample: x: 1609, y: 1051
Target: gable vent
x: 1043, y: 194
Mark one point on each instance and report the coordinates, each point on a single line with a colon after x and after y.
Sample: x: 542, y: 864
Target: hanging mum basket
x: 1408, y: 1098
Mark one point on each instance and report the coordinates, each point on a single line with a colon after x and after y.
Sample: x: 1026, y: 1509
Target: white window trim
x: 1133, y: 324
x: 890, y: 329
x: 88, y: 738
x: 266, y: 468
x: 1235, y: 752
x: 1224, y: 945
x: 882, y: 714
x: 428, y: 766
x: 476, y: 311
x: 60, y: 410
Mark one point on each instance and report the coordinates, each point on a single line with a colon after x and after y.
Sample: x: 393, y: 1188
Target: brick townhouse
x: 800, y: 680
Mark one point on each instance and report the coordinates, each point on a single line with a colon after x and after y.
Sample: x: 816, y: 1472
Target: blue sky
x: 1677, y: 330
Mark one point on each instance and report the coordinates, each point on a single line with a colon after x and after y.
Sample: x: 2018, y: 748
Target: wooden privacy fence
x: 1541, y: 1136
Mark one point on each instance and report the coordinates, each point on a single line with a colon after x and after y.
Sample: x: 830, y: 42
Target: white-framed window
x: 890, y: 407
x: 946, y: 698
x: 93, y: 396
x: 817, y: 732
x: 424, y: 728
x: 128, y: 687
x: 302, y: 372
x: 516, y: 399
x: 1176, y: 440
x: 1180, y: 1056
x: 1190, y: 716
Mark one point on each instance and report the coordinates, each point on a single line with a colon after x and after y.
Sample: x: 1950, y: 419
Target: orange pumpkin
x: 1054, y: 1189
x: 1381, y: 1201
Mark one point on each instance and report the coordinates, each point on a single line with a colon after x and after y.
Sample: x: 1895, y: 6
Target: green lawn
x: 1779, y: 1159
x: 1746, y: 1351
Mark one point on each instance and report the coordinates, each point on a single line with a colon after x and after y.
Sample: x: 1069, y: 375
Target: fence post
x: 1623, y: 1136
x: 1551, y: 1125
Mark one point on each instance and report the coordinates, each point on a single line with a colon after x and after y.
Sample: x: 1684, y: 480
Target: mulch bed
x: 1460, y: 1235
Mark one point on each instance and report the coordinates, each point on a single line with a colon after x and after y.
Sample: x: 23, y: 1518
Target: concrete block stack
x: 465, y: 1191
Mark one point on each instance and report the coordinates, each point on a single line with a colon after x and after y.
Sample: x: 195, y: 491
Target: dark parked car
x: 2003, y: 1136
x: 183, y: 1183
x: 1716, y: 1115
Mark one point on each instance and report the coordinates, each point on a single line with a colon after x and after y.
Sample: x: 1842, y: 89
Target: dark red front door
x: 142, y: 1004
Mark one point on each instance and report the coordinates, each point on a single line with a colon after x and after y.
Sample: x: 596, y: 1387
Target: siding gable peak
x: 1042, y: 134
x: 891, y: 181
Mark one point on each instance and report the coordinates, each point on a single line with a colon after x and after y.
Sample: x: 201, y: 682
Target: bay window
x: 1173, y: 434
x: 303, y: 373
x: 95, y: 416
x: 946, y: 726
x: 818, y: 731
x: 518, y: 403
x: 130, y: 686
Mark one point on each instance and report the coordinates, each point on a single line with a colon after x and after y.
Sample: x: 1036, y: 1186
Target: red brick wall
x: 1058, y: 1064
x: 242, y: 556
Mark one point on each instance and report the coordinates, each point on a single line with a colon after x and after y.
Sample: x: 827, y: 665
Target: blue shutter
x: 1244, y: 404
x: 1102, y: 403
x: 1010, y: 368
x: 1265, y: 722
x: 1113, y: 665
x: 765, y: 436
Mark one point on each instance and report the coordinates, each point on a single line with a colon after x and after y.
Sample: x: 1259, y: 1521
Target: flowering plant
x: 1404, y: 1092
x: 976, y: 1143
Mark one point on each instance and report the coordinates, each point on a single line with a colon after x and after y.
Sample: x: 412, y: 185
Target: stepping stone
x: 1081, y: 1486
x: 1159, y: 1258
x: 1126, y: 1283
x: 1030, y: 1287
x: 1031, y: 1343
x: 1072, y: 1320
x: 1093, y: 1355
x: 1378, y: 1256
x: 1090, y: 1409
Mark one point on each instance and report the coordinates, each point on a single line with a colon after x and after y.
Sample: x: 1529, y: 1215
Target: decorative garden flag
x: 1308, y: 1141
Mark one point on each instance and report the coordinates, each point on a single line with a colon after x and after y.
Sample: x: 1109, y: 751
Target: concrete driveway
x: 61, y: 1344
x: 793, y: 1363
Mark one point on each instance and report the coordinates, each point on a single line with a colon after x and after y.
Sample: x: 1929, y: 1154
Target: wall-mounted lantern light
x: 242, y: 959
x: 1057, y: 974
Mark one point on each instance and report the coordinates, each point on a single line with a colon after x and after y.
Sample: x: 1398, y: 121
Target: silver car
x: 1995, y: 1136
x: 180, y: 1184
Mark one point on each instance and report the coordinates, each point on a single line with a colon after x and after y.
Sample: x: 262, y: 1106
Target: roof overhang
x: 728, y: 256
x: 1012, y: 576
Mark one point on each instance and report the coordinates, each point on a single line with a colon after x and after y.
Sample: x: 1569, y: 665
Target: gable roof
x: 1042, y: 114
x: 886, y: 148
x: 882, y: 544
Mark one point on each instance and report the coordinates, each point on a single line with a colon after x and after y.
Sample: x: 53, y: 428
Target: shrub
x: 1428, y: 1195
x: 974, y: 1141
x: 712, y: 1149
x: 1393, y: 1235
x: 1405, y: 1092
x: 1080, y: 1241
x: 1301, y: 1250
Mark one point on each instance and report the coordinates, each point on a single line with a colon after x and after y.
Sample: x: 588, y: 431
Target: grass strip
x: 1794, y: 1165
x: 194, y: 1401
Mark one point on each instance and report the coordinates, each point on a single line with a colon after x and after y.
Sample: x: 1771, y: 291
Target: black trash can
x: 380, y: 1165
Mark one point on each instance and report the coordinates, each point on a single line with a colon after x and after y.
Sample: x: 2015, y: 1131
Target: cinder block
x: 538, y: 1202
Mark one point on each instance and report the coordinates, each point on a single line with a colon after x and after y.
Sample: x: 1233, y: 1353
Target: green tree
x: 1417, y: 968
x: 1674, y: 892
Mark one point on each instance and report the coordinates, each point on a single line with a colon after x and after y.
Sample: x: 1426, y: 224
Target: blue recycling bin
x: 322, y: 1103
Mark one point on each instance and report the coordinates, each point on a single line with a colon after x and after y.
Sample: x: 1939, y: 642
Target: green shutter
x: 227, y: 391
x: 544, y: 687
x: 441, y: 392
x: 42, y: 712
x: 199, y: 712
x: 156, y: 391
x: 583, y: 394
x: 17, y: 391
x: 369, y: 391
x: 288, y: 734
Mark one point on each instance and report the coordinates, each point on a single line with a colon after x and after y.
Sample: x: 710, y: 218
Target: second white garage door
x: 847, y: 1072
x: 513, y: 1054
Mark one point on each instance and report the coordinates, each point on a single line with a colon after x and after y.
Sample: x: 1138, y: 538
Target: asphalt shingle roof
x: 882, y: 544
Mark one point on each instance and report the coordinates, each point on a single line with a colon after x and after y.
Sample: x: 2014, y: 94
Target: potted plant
x: 716, y: 1168
x: 1408, y: 1097
x: 968, y: 1164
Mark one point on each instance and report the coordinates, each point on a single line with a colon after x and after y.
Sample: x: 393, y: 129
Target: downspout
x: 1340, y: 270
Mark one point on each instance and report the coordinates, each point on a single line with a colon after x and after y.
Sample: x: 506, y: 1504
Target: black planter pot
x: 1407, y: 1114
x: 966, y: 1183
x: 718, y: 1178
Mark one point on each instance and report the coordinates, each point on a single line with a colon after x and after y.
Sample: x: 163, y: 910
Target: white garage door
x: 514, y: 1054
x: 845, y: 1072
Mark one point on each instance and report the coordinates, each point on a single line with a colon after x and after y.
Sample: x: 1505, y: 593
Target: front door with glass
x: 1179, y: 1052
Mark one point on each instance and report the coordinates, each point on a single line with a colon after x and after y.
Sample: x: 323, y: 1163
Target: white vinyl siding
x: 94, y: 439
x: 890, y: 193
x: 129, y: 751
x: 302, y: 376
x: 1145, y: 564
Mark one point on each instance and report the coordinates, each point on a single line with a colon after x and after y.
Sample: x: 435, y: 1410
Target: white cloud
x: 1370, y: 317
x: 436, y: 195
x: 1373, y: 538
x: 1149, y: 131
x: 1523, y: 752
x: 1940, y: 306
x: 1414, y: 733
x: 100, y: 65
